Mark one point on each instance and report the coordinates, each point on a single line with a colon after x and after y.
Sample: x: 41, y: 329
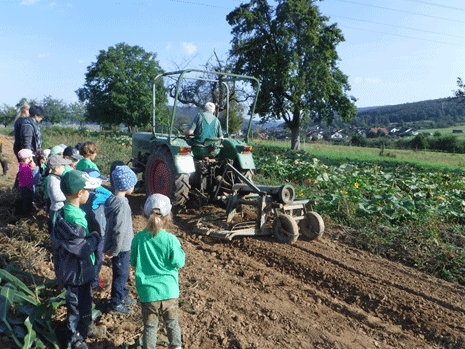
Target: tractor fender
x: 182, y: 163
x: 233, y: 149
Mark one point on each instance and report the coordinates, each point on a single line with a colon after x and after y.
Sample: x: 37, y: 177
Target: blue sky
x: 396, y: 51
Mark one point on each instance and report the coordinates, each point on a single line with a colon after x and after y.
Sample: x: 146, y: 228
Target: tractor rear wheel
x: 161, y: 177
x: 285, y: 229
x: 312, y: 225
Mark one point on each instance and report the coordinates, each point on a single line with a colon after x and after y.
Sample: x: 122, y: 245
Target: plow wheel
x: 230, y: 178
x: 161, y: 177
x: 285, y: 229
x: 312, y: 225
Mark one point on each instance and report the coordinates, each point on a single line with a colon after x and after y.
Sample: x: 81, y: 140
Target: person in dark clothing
x: 30, y: 136
x: 73, y: 254
x: 3, y: 160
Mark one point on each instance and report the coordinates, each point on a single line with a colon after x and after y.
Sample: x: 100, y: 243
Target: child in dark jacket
x: 73, y: 254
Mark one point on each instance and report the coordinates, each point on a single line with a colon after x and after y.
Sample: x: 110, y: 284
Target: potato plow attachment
x: 277, y: 213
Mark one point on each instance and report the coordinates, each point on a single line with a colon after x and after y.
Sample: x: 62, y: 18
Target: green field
x: 448, y: 131
x: 338, y: 153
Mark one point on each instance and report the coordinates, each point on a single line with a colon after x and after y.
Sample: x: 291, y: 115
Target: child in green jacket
x: 157, y: 255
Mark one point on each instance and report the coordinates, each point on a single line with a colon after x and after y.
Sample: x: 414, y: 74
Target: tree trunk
x: 295, y: 140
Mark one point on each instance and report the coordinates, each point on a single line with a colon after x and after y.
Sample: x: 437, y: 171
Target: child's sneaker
x: 121, y: 309
x: 128, y: 301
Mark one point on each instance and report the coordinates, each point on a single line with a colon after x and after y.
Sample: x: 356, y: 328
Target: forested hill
x: 442, y: 112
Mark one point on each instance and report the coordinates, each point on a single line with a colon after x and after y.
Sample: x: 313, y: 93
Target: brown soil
x: 257, y: 293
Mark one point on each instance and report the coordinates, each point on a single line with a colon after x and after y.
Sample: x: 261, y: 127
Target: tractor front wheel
x: 285, y: 229
x: 161, y: 177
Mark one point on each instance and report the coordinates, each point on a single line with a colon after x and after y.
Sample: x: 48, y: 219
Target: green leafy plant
x: 24, y: 317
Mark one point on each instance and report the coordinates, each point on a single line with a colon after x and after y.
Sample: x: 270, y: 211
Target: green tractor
x: 173, y: 166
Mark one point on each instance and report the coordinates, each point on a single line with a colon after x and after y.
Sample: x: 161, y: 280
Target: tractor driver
x: 205, y: 125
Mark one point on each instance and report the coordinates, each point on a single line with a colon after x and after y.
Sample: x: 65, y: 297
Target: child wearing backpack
x: 157, y: 255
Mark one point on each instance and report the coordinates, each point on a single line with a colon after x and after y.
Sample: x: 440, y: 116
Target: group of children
x: 89, y: 222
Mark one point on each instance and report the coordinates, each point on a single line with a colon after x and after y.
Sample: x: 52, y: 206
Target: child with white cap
x: 25, y: 181
x: 157, y: 255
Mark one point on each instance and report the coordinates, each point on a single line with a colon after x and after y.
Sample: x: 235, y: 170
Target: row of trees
x: 55, y: 109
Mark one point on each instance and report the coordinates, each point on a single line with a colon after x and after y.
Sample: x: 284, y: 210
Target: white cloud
x: 28, y: 2
x: 81, y: 61
x: 189, y: 48
x: 53, y: 4
x: 42, y: 55
x: 168, y: 47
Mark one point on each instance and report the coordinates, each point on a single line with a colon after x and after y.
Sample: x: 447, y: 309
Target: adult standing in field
x: 22, y: 115
x: 30, y: 137
x: 205, y: 125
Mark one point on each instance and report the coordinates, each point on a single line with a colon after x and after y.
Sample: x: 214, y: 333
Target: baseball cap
x: 56, y: 150
x: 95, y: 174
x: 25, y: 153
x: 123, y: 178
x: 73, y: 181
x: 57, y: 160
x: 157, y: 201
x: 72, y: 152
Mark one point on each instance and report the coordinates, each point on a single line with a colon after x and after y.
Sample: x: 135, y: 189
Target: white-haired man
x: 205, y: 125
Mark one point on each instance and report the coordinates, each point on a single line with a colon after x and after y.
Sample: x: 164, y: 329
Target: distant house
x: 336, y: 136
x: 405, y: 132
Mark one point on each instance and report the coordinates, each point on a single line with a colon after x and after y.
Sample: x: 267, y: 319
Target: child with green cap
x: 73, y: 254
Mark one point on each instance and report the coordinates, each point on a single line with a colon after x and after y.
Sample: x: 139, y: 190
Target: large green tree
x: 291, y: 49
x: 118, y: 87
x: 56, y: 110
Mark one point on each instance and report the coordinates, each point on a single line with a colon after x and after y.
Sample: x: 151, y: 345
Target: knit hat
x: 73, y: 181
x: 56, y: 150
x: 57, y: 160
x: 25, y: 153
x: 95, y: 174
x: 72, y: 152
x: 157, y: 201
x: 123, y: 178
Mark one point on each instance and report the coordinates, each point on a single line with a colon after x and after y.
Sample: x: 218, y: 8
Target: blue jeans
x: 79, y: 304
x: 120, y: 264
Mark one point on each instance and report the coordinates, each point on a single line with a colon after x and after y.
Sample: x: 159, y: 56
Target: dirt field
x: 257, y: 293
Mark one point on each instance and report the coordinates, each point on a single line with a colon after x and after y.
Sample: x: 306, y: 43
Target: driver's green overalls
x: 207, y: 126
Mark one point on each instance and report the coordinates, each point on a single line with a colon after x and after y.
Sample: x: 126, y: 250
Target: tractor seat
x: 210, y: 148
